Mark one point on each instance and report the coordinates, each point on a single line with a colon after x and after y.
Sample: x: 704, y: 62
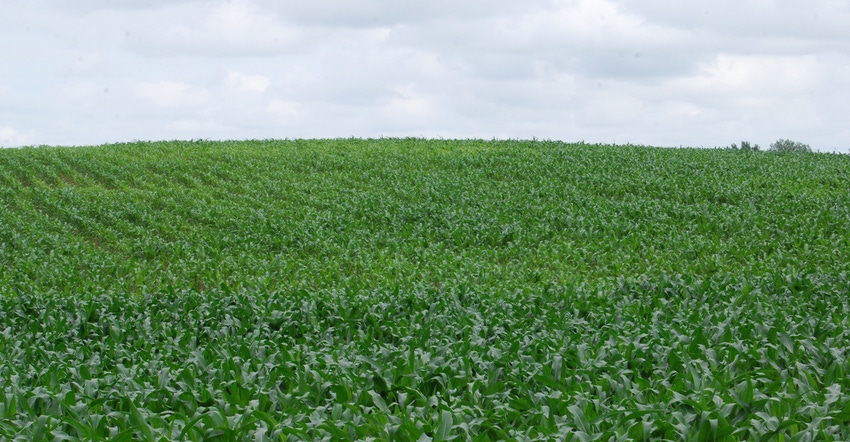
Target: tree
x: 745, y: 145
x: 782, y: 145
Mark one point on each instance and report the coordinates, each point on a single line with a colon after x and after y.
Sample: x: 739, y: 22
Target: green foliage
x: 422, y: 290
x: 745, y: 146
x: 782, y: 145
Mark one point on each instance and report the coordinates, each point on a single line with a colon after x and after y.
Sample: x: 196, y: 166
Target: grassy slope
x: 408, y: 287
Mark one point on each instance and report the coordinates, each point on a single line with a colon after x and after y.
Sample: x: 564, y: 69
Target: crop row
x: 670, y: 359
x: 312, y: 214
x: 423, y: 289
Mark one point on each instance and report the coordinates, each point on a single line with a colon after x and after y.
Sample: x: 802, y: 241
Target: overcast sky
x: 655, y: 72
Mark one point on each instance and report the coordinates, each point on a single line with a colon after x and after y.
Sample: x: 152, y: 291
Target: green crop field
x: 413, y: 289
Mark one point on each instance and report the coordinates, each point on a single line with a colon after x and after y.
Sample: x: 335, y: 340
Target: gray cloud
x: 219, y: 29
x: 382, y: 13
x: 95, y: 6
x: 754, y: 27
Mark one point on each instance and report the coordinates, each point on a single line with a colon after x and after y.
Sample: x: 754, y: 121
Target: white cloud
x: 382, y: 13
x: 92, y: 6
x: 172, y: 94
x: 10, y: 137
x: 246, y: 82
x: 283, y: 108
x: 612, y: 110
x: 90, y: 63
x: 597, y: 22
x: 756, y: 21
x: 409, y: 105
x: 661, y: 72
x: 593, y: 37
x: 233, y: 28
x: 748, y: 74
x: 774, y: 94
x: 682, y: 109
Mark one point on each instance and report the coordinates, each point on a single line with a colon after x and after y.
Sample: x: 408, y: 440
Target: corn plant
x: 415, y: 289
